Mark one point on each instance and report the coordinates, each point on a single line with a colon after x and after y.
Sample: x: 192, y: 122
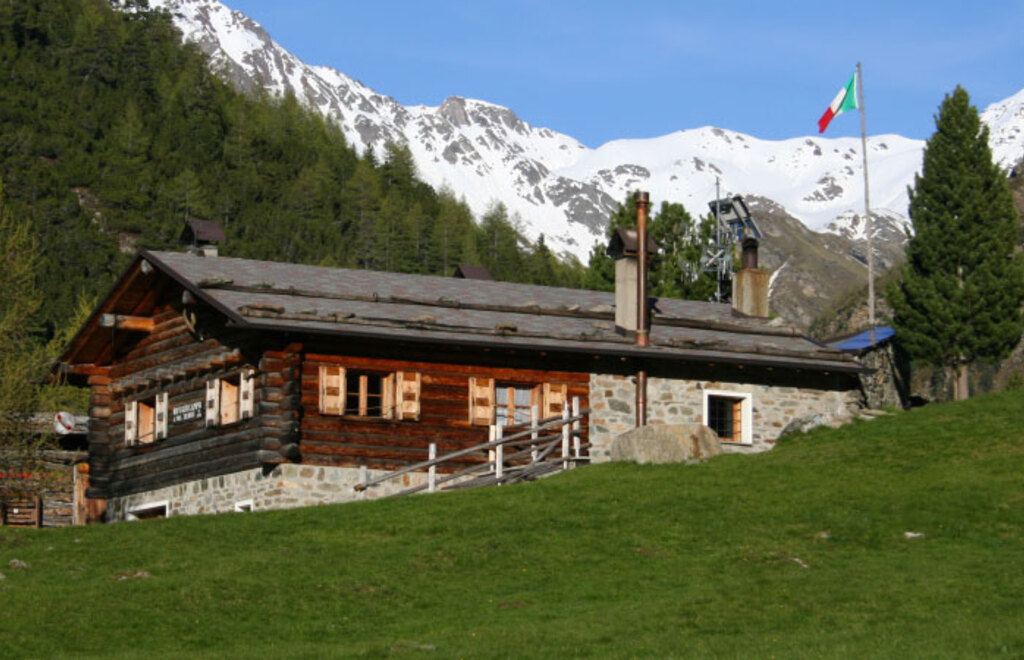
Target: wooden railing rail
x: 536, y: 440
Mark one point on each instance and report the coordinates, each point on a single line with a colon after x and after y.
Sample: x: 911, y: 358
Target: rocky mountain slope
x: 564, y: 190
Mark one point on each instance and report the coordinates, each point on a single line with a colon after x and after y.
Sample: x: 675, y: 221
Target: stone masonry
x: 672, y: 401
x: 285, y: 487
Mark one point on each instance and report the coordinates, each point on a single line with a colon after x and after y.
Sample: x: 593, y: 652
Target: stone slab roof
x: 360, y: 303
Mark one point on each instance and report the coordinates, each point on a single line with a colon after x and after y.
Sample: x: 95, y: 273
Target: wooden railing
x: 515, y: 452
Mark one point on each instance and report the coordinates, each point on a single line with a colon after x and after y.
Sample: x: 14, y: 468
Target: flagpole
x: 867, y: 203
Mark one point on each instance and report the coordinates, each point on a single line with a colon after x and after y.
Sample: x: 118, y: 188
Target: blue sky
x: 600, y: 71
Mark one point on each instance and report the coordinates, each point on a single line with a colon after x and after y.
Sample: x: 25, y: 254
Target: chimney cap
x: 624, y: 243
x: 471, y: 272
x: 198, y: 231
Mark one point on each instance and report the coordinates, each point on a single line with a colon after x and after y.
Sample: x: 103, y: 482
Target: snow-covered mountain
x: 558, y: 186
x: 561, y: 188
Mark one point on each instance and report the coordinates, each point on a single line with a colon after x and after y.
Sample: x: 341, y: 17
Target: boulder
x: 677, y: 443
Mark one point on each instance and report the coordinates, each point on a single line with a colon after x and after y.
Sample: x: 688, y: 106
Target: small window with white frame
x: 148, y: 511
x: 730, y: 415
x: 243, y: 506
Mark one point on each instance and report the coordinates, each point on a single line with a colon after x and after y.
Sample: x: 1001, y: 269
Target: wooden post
x: 37, y: 516
x: 534, y: 417
x: 499, y: 455
x: 432, y: 470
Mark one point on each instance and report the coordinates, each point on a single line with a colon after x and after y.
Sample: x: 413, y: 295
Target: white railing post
x: 566, y: 432
x: 577, y: 442
x: 534, y: 418
x: 491, y: 433
x: 432, y: 470
x: 499, y: 455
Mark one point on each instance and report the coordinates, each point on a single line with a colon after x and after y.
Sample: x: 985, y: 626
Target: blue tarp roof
x: 862, y: 341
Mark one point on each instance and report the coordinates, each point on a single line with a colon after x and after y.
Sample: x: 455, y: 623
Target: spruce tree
x: 959, y: 298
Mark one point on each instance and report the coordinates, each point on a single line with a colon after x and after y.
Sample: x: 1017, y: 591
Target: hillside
x: 113, y: 132
x: 898, y: 537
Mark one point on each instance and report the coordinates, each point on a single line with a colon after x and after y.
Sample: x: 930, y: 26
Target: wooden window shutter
x: 332, y: 390
x: 247, y: 404
x: 737, y: 420
x: 407, y: 395
x: 229, y: 400
x: 555, y: 397
x: 131, y: 414
x: 388, y: 408
x: 161, y: 415
x: 213, y: 402
x: 481, y: 400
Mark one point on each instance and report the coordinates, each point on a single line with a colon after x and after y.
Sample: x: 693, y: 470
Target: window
x: 512, y: 403
x: 364, y: 394
x: 243, y: 506
x: 231, y: 398
x: 369, y: 393
x: 148, y: 511
x: 730, y: 415
x: 145, y: 420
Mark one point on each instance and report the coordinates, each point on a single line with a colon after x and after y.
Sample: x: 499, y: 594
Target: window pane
x: 364, y: 394
x: 721, y: 412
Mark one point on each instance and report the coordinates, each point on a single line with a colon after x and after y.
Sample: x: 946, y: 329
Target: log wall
x: 287, y: 426
x: 170, y: 359
x: 379, y: 443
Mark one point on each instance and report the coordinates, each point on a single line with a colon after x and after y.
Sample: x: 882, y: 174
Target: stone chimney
x: 202, y: 237
x: 623, y: 248
x: 750, y: 284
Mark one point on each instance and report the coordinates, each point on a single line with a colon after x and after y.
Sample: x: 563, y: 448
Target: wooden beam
x: 136, y: 323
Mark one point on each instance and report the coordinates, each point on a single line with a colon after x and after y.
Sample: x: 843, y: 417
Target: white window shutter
x: 161, y: 415
x: 213, y: 402
x: 246, y: 402
x: 131, y: 429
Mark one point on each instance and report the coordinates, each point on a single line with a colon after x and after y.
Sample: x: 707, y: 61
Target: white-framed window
x: 243, y: 506
x: 230, y: 398
x: 145, y: 420
x: 148, y: 511
x: 362, y: 393
x: 730, y: 414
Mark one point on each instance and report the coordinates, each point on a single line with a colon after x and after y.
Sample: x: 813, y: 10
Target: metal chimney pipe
x: 749, y: 253
x: 642, y: 200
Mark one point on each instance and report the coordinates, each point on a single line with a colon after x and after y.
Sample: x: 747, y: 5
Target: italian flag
x: 845, y: 100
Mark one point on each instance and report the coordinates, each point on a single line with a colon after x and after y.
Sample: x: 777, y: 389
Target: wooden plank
x: 125, y: 322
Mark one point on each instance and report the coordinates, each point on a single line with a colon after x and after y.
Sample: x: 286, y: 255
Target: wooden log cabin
x: 221, y: 384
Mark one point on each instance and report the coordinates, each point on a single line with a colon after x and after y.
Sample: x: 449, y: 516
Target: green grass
x: 799, y: 552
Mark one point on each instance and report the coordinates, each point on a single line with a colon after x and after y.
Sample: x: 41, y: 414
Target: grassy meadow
x: 898, y: 537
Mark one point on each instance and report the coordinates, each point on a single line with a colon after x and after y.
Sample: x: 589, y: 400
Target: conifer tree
x: 21, y: 356
x: 959, y: 298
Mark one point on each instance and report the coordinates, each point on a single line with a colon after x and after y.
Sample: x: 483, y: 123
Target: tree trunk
x: 961, y: 382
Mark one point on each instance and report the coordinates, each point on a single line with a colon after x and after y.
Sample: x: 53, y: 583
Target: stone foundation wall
x: 671, y: 401
x: 285, y: 487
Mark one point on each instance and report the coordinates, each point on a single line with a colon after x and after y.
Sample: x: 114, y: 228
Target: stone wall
x: 285, y: 487
x: 677, y: 401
